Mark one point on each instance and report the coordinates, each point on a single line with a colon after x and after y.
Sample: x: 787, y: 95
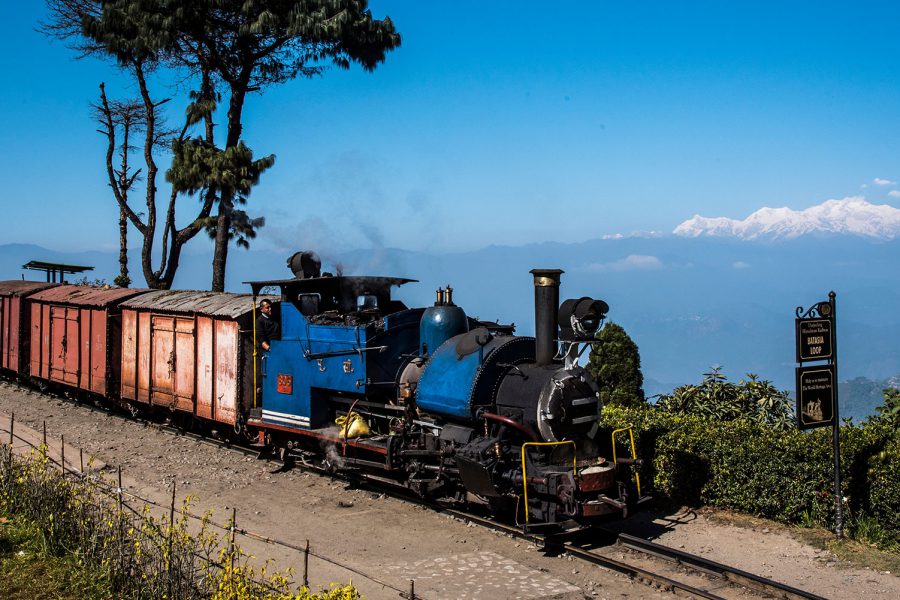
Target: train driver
x: 267, y: 328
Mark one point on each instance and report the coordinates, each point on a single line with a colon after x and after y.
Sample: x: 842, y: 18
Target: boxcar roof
x: 213, y: 304
x: 16, y: 287
x: 85, y: 295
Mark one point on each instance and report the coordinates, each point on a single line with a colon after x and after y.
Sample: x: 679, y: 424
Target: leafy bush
x: 782, y: 474
x: 717, y: 398
x: 132, y: 552
x: 889, y: 411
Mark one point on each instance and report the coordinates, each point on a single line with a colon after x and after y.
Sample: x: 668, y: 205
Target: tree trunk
x: 226, y: 202
x: 123, y: 279
x: 220, y: 257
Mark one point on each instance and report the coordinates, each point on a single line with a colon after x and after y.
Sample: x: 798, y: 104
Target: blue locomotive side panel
x: 310, y: 357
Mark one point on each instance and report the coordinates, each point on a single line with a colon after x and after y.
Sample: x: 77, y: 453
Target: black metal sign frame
x: 817, y: 387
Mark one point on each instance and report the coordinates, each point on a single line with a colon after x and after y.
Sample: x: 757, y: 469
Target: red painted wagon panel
x: 184, y: 364
x: 129, y: 354
x: 15, y: 323
x: 163, y: 364
x: 75, y: 336
x: 145, y: 356
x: 205, y: 347
x: 194, y: 352
x: 226, y: 382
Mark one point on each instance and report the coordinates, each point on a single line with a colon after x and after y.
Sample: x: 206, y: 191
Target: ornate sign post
x: 817, y: 388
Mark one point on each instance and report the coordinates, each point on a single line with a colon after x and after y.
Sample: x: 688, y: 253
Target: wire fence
x: 116, y: 492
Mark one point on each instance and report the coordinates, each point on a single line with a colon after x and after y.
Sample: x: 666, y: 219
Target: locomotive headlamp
x: 580, y: 318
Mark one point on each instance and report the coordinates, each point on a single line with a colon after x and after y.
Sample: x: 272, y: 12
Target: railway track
x: 680, y: 573
x: 720, y: 582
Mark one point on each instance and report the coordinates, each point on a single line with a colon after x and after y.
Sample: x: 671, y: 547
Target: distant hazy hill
x: 689, y: 303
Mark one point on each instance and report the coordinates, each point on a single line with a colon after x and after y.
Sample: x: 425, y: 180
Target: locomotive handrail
x: 630, y: 430
x: 317, y: 355
x: 255, y: 353
x: 524, y: 469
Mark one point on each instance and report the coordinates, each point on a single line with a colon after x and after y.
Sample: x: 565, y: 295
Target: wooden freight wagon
x: 15, y: 320
x: 189, y: 351
x: 75, y: 336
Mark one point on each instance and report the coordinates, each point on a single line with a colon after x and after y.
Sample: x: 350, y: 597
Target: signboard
x: 817, y: 393
x: 814, y: 339
x: 815, y: 396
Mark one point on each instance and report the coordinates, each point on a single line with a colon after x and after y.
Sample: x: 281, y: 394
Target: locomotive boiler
x: 450, y: 405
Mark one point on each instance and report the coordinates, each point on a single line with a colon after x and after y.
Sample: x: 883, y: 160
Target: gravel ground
x: 394, y: 541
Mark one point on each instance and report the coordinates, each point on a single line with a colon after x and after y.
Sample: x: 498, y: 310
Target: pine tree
x: 236, y: 48
x: 615, y: 363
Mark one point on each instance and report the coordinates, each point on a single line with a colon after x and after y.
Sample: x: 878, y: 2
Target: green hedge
x: 787, y: 476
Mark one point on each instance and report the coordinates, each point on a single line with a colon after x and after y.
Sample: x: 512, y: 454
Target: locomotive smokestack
x: 546, y: 305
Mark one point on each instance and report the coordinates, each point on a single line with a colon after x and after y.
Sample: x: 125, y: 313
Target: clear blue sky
x: 505, y: 122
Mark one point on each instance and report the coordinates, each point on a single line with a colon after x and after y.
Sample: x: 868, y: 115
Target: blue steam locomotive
x: 437, y: 401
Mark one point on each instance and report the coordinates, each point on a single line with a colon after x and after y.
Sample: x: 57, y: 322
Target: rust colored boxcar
x: 190, y: 351
x: 14, y: 323
x: 76, y: 337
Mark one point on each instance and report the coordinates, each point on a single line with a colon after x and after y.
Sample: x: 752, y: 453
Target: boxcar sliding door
x: 65, y: 344
x: 173, y: 362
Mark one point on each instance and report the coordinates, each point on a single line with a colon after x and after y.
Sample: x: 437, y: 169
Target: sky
x: 503, y: 123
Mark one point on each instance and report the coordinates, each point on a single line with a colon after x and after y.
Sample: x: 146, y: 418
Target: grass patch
x: 28, y: 571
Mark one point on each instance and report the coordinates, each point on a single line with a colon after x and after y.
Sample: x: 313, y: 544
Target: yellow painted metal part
x: 630, y: 430
x: 255, y: 353
x: 525, y: 473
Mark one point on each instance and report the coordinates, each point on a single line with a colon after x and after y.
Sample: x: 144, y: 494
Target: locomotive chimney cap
x: 546, y: 277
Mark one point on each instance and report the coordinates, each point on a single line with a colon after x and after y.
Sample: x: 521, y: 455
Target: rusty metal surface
x: 213, y: 304
x: 15, y: 322
x: 205, y: 368
x: 225, y: 360
x: 16, y: 287
x: 70, y: 345
x: 129, y: 364
x: 184, y: 360
x: 83, y: 295
x: 13, y: 333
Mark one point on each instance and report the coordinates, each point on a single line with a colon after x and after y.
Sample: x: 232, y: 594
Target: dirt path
x: 394, y: 541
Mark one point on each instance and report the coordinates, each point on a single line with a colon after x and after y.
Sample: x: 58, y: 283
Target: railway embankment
x: 394, y: 540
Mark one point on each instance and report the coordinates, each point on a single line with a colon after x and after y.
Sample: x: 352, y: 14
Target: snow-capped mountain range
x: 852, y: 216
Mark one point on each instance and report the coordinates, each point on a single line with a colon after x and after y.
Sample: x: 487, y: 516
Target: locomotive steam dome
x: 441, y: 322
x: 305, y: 264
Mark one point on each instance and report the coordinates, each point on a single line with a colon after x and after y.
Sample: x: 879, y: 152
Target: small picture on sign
x: 813, y: 410
x: 815, y: 397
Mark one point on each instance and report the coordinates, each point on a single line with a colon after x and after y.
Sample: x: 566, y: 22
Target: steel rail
x: 729, y: 573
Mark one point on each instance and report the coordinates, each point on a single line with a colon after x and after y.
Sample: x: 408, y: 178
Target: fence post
x: 120, y: 526
x: 231, y: 548
x: 12, y: 425
x: 306, y: 566
x: 62, y: 454
x: 171, y: 537
x: 44, y: 449
x: 412, y: 589
x: 81, y: 459
x: 119, y: 493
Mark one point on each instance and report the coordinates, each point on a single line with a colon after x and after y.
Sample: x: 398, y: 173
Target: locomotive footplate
x: 369, y: 451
